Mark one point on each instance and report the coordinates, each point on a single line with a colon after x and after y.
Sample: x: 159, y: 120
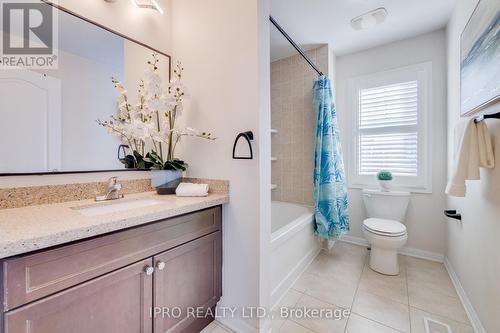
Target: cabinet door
x: 189, y: 276
x: 117, y: 302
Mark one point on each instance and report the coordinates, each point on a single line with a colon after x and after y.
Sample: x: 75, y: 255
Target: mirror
x: 48, y: 117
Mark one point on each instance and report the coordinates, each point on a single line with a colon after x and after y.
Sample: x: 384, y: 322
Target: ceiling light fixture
x: 369, y: 20
x: 151, y: 4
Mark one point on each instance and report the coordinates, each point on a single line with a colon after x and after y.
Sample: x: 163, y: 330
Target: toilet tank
x: 390, y: 205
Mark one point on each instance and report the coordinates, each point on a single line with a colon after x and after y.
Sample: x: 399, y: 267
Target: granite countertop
x: 32, y: 228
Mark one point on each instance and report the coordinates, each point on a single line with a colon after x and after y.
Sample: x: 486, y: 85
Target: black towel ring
x: 248, y: 137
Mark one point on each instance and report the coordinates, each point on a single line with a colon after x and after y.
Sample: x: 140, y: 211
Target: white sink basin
x: 114, y: 207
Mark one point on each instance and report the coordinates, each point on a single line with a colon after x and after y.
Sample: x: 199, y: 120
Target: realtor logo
x: 29, y: 34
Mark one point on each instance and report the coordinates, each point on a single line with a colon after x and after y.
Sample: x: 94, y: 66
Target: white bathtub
x: 293, y: 245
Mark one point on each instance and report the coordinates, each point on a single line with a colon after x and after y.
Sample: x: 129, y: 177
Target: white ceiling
x: 313, y: 22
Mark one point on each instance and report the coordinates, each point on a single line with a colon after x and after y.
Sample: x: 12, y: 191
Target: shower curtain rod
x: 283, y: 32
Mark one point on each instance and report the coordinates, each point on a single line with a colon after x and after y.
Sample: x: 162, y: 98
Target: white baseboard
x: 407, y: 251
x: 469, y: 309
x: 279, y: 292
x: 417, y: 253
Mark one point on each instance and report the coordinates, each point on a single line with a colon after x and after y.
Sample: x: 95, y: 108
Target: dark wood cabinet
x: 116, y: 302
x: 188, y: 282
x: 32, y: 276
x: 114, y: 283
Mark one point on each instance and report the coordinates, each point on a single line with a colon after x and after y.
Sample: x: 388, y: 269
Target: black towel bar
x: 453, y: 214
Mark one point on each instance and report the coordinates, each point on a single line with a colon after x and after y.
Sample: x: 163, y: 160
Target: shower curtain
x: 330, y: 190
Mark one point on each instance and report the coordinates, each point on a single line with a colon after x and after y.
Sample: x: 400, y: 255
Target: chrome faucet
x: 114, y: 189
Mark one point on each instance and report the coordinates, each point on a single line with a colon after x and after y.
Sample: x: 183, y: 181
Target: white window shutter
x: 388, y: 129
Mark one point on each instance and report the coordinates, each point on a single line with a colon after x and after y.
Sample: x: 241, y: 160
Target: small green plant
x: 384, y: 175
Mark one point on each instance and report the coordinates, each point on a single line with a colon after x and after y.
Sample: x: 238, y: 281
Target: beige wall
x: 474, y: 244
x: 424, y: 220
x: 293, y: 116
x: 224, y: 59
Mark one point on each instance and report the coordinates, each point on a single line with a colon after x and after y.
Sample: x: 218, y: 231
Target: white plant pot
x: 162, y: 177
x: 385, y: 185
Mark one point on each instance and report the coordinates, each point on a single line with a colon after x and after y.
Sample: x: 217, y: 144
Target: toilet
x: 384, y: 229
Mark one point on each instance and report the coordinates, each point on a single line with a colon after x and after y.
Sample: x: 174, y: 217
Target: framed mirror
x: 49, y: 117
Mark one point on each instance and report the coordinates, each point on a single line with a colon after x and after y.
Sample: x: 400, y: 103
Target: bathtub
x: 293, y: 245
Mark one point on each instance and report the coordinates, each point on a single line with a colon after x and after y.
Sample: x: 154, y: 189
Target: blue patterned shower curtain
x: 330, y: 190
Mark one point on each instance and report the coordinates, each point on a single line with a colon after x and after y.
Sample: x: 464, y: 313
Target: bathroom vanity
x: 139, y: 278
x: 69, y: 264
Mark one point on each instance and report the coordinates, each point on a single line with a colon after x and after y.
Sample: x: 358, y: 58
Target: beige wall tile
x: 276, y: 194
x: 293, y: 116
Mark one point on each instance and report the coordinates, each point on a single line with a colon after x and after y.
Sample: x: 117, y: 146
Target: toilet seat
x: 383, y: 227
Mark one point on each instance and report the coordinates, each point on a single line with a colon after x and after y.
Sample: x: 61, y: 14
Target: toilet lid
x: 385, y: 227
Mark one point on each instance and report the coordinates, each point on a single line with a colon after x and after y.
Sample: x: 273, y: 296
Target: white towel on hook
x: 486, y: 154
x: 473, y: 151
x: 191, y: 190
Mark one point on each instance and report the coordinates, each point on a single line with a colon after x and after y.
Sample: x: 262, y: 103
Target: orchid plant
x: 151, y: 123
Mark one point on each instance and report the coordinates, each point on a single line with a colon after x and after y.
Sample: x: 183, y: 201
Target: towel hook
x: 487, y: 116
x: 453, y: 214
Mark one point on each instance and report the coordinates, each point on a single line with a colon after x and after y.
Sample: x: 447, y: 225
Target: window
x: 388, y: 121
x: 389, y: 128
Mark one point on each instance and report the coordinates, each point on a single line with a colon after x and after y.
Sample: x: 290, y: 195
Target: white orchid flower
x: 152, y: 118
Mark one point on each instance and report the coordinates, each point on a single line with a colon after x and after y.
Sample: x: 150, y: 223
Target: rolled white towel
x: 192, y: 190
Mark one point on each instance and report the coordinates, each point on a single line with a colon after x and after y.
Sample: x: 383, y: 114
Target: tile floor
x: 341, y: 279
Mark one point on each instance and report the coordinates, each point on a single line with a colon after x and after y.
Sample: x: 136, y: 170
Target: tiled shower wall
x: 293, y: 117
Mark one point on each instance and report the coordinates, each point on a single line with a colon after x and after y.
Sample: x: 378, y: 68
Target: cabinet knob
x: 160, y: 265
x: 149, y: 270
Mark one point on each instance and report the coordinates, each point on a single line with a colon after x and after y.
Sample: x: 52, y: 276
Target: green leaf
x: 129, y: 162
x: 141, y: 163
x: 175, y: 165
x: 155, y: 160
x: 384, y: 175
x: 169, y: 166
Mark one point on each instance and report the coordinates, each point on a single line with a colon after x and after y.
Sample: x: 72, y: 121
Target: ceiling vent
x: 369, y: 20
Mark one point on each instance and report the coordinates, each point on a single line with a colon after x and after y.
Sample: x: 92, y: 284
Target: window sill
x: 414, y: 189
